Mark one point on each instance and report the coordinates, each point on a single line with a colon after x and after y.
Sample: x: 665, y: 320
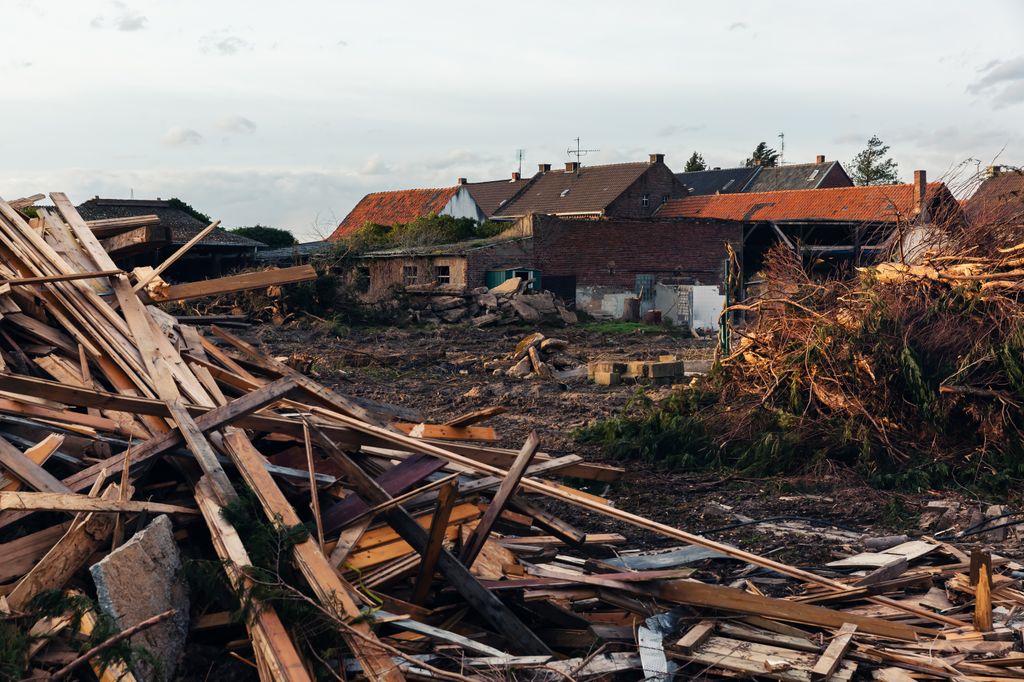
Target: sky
x: 285, y: 114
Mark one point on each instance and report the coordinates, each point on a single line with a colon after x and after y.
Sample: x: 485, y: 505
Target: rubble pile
x: 324, y: 537
x: 507, y: 303
x: 538, y: 356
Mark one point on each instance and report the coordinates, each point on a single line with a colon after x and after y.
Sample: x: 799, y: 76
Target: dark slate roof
x: 561, y: 192
x: 719, y: 180
x: 490, y: 196
x: 183, y: 226
x: 795, y: 176
x: 999, y: 199
x: 302, y: 251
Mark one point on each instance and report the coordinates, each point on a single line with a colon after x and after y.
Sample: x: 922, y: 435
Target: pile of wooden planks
x: 427, y: 554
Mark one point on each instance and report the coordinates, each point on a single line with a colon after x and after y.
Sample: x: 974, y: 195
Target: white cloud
x: 121, y: 18
x: 236, y: 124
x: 181, y: 137
x: 225, y: 45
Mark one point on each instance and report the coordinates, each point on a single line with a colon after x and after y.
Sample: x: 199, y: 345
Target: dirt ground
x: 440, y: 373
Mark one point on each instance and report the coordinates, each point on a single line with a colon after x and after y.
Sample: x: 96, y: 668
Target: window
x: 409, y: 273
x: 443, y: 274
x: 363, y: 279
x: 645, y: 200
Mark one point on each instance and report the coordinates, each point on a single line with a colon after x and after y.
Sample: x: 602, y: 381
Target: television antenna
x: 782, y: 148
x: 579, y: 153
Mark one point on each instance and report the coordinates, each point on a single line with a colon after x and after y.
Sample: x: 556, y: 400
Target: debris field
x: 131, y: 441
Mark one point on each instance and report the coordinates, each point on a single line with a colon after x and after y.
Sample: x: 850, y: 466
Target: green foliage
x: 177, y: 203
x: 423, y: 231
x: 15, y: 640
x: 695, y: 163
x: 872, y: 166
x: 763, y: 155
x: 274, y: 237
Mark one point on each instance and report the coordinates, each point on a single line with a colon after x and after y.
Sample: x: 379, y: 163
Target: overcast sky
x: 287, y: 113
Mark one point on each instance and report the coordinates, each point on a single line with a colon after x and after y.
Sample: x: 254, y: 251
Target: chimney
x: 920, y: 196
x: 657, y: 158
x: 515, y: 176
x: 460, y: 181
x: 544, y: 167
x: 820, y: 158
x: 572, y: 166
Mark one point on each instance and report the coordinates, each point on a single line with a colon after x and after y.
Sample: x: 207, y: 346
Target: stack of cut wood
x: 131, y: 443
x: 509, y: 302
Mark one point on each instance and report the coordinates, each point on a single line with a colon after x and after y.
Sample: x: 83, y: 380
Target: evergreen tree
x: 695, y: 163
x: 763, y: 156
x: 873, y: 167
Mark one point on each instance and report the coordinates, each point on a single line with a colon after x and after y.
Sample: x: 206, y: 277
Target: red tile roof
x: 389, y: 208
x: 875, y: 204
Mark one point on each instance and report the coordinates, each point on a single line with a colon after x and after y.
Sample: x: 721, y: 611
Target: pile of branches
x: 910, y: 372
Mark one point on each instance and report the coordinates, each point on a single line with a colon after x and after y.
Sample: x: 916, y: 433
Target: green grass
x: 625, y: 328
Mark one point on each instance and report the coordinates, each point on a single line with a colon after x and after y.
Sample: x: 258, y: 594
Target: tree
x: 695, y: 163
x: 273, y: 237
x: 763, y: 156
x: 873, y: 167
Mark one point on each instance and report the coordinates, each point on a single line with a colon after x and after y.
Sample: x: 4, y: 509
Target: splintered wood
x: 432, y: 555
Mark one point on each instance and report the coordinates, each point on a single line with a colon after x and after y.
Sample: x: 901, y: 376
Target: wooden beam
x: 833, y: 656
x: 24, y: 467
x: 173, y: 258
x: 435, y: 542
x: 488, y: 606
x: 71, y: 502
x: 137, y: 240
x: 508, y: 486
x: 233, y: 283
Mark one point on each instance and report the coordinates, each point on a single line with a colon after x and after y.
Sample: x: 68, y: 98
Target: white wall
x: 462, y: 205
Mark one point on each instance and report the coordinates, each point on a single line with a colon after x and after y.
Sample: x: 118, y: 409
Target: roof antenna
x: 519, y: 155
x: 782, y: 150
x: 578, y: 153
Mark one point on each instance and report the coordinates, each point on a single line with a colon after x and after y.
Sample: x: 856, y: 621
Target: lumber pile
x: 342, y: 542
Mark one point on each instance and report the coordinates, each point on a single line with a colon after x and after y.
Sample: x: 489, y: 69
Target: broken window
x: 409, y: 273
x: 443, y: 274
x: 363, y: 279
x: 645, y: 200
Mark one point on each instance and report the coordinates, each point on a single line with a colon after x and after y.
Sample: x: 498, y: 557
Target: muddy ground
x: 440, y: 373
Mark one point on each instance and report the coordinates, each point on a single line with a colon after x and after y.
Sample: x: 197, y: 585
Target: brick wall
x: 612, y: 252
x: 657, y: 183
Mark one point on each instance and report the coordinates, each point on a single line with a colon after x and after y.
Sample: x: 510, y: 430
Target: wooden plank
x: 696, y: 636
x: 445, y: 432
x: 833, y: 656
x: 173, y: 258
x: 137, y: 240
x: 476, y: 416
x: 71, y: 502
x: 486, y: 604
x: 505, y: 490
x: 308, y: 556
x: 26, y: 466
x: 435, y: 539
x: 233, y: 283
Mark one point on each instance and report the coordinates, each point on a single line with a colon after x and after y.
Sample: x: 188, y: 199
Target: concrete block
x: 140, y: 579
x: 665, y: 369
